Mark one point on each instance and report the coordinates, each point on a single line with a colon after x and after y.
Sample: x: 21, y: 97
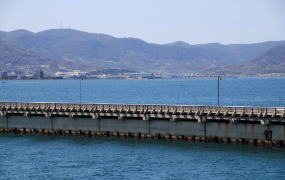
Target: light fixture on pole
x: 219, y: 78
x: 80, y: 79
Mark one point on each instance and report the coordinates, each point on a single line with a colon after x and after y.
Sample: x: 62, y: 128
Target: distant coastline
x: 190, y: 77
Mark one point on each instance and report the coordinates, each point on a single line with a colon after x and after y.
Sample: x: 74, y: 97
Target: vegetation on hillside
x: 13, y: 58
x: 271, y: 61
x: 68, y: 49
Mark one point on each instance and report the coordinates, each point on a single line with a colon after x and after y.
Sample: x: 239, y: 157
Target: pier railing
x: 144, y: 108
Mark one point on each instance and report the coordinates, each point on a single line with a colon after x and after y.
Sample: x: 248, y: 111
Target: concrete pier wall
x: 75, y: 124
x: 3, y: 122
x: 124, y: 126
x: 29, y: 122
x: 208, y: 130
x: 235, y: 131
x: 278, y: 132
x: 254, y: 126
x: 177, y: 128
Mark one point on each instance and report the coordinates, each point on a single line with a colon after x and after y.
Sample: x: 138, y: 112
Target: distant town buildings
x: 76, y: 74
x: 38, y: 74
x: 4, y: 75
x: 140, y: 75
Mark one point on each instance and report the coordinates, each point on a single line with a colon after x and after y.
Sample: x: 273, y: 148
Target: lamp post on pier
x: 219, y: 78
x: 80, y: 79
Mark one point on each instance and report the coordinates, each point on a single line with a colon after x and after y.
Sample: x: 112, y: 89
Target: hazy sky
x: 154, y: 21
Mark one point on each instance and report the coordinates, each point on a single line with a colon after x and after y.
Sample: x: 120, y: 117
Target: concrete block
x: 155, y: 136
x: 22, y: 131
x: 250, y: 141
x: 275, y: 143
x: 174, y: 138
x: 190, y: 138
x: 99, y: 134
x: 260, y: 142
x: 197, y: 138
x: 212, y: 139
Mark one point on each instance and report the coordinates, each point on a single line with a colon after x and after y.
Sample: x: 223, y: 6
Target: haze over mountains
x: 271, y: 61
x: 68, y: 47
x: 16, y: 59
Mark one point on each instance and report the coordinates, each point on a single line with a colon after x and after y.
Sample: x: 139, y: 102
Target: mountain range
x: 271, y: 61
x: 14, y: 58
x: 72, y: 49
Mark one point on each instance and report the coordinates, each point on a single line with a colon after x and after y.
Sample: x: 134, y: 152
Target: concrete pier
x: 252, y: 125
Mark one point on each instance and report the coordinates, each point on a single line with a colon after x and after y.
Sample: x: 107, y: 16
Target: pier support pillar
x: 26, y: 113
x: 94, y: 115
x: 146, y: 117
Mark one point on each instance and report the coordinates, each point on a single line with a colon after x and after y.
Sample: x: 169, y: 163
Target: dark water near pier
x: 38, y: 156
x: 64, y: 157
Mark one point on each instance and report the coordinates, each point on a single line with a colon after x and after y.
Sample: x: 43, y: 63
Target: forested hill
x: 105, y: 51
x: 271, y: 61
x: 13, y: 58
x: 123, y: 53
x: 241, y: 51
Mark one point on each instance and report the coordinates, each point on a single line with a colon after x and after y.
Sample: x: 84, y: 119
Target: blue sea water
x: 37, y: 156
x: 266, y: 92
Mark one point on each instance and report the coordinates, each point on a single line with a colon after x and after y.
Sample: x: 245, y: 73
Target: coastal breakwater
x: 263, y: 126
